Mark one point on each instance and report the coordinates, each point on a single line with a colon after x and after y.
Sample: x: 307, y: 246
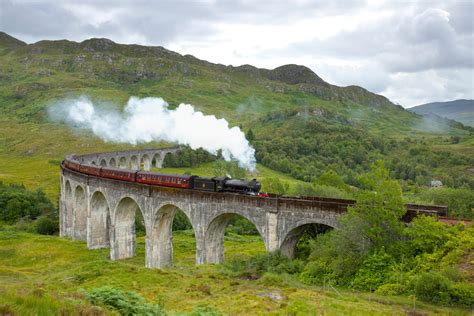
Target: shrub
x: 46, y: 226
x: 17, y: 202
x: 372, y: 272
x: 462, y: 293
x: 271, y: 262
x: 390, y: 289
x: 126, y: 303
x: 242, y: 226
x: 316, y: 272
x: 181, y: 221
x: 432, y: 287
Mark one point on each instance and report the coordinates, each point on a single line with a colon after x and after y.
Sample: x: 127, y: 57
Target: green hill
x: 458, y: 110
x: 302, y: 125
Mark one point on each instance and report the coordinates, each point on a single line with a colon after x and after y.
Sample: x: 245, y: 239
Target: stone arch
x: 214, y: 236
x: 80, y: 213
x: 134, y: 163
x: 103, y: 163
x: 99, y: 222
x: 145, y: 162
x: 123, y: 237
x: 112, y: 163
x: 160, y: 237
x: 293, y: 235
x: 122, y: 164
x: 93, y: 162
x: 69, y: 209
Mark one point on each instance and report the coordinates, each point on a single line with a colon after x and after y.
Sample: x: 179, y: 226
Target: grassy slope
x: 43, y: 275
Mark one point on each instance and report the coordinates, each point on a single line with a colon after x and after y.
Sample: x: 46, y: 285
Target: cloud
x: 380, y: 45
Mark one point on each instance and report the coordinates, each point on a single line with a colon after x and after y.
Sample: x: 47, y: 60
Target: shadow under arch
x: 99, y: 222
x: 134, y: 163
x: 80, y: 214
x: 69, y: 209
x: 123, y: 234
x: 214, y: 236
x: 293, y: 236
x: 122, y: 164
x: 103, y: 163
x: 160, y: 247
x: 145, y: 162
x: 112, y: 163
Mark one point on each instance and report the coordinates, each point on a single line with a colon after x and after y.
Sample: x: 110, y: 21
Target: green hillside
x: 302, y: 125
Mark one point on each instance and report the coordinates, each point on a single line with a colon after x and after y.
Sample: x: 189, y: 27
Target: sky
x: 413, y: 52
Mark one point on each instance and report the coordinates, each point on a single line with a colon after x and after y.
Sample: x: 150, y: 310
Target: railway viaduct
x: 102, y: 212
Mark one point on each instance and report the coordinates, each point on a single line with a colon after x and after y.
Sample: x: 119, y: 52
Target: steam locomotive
x: 215, y: 184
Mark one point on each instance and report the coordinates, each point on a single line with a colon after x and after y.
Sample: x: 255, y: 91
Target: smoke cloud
x: 150, y: 119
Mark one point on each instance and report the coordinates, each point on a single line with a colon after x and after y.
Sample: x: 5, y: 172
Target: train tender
x: 215, y: 184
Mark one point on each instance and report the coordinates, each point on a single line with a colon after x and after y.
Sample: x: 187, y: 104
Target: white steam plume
x: 149, y: 119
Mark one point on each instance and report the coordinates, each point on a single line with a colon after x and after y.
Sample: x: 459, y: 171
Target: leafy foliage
x: 374, y: 251
x: 124, y: 302
x: 47, y: 226
x: 17, y: 202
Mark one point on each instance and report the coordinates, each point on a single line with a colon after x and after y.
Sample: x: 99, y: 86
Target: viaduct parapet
x: 102, y: 212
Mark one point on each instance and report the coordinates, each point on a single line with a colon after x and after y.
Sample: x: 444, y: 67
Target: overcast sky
x: 413, y: 52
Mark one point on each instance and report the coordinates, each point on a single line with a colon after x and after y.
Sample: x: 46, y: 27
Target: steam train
x: 215, y: 184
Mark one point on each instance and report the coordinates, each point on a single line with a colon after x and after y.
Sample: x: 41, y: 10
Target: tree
x: 331, y: 178
x: 380, y: 206
x: 250, y: 136
x: 275, y: 185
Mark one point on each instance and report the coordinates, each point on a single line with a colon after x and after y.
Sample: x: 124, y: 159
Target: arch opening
x: 169, y: 218
x: 99, y: 222
x: 145, y: 163
x: 297, y: 242
x: 134, y: 163
x: 155, y: 161
x: 123, y: 237
x: 103, y: 163
x: 69, y: 210
x: 122, y: 163
x: 234, y: 226
x: 112, y: 163
x: 80, y: 214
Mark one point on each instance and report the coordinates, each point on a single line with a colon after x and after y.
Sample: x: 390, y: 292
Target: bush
x: 372, y: 272
x: 390, y: 289
x: 126, y: 303
x: 242, y: 226
x: 432, y: 287
x: 316, y: 272
x: 17, y: 202
x: 274, y: 262
x: 462, y: 293
x: 459, y: 201
x: 181, y: 221
x: 46, y: 226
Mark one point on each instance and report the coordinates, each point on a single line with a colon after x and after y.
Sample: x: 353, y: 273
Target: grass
x: 46, y: 275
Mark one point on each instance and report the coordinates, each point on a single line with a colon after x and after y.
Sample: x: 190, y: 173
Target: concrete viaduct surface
x: 102, y: 212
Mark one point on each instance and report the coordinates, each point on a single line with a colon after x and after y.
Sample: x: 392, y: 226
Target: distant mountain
x: 458, y: 110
